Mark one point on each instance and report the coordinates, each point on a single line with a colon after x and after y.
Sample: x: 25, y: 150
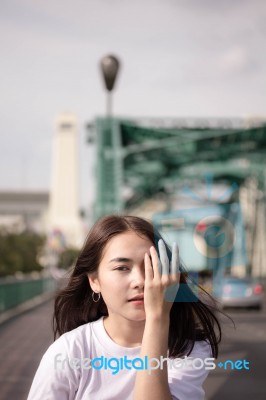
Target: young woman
x: 130, y: 326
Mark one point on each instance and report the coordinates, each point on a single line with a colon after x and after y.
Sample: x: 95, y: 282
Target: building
x: 20, y: 210
x: 56, y: 211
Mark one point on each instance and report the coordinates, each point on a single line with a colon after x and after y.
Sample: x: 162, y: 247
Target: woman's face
x: 121, y: 275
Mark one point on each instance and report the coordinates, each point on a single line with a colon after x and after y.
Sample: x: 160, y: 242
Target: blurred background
x: 152, y: 108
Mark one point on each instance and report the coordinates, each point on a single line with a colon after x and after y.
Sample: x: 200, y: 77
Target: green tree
x: 68, y: 257
x: 20, y: 252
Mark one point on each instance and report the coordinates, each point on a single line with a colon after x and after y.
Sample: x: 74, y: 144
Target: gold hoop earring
x: 99, y: 296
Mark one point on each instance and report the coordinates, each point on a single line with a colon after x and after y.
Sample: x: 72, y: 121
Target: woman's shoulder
x: 201, y: 348
x: 72, y: 342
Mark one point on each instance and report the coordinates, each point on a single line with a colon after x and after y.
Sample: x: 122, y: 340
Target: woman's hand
x: 161, y: 281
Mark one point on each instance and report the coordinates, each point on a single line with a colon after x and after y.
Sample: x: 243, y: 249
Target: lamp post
x: 109, y: 66
x: 108, y: 138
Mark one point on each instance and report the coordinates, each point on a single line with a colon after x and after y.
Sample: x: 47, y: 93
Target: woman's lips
x: 137, y: 297
x: 137, y: 302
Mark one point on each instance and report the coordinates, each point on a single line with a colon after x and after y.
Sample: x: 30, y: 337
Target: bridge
x: 136, y: 161
x: 144, y: 165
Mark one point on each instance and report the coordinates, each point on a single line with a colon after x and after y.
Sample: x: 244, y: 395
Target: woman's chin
x: 139, y: 317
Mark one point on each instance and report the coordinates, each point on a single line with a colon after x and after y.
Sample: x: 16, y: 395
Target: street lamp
x: 109, y: 67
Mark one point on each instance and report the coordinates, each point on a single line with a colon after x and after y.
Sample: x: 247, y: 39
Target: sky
x: 179, y: 58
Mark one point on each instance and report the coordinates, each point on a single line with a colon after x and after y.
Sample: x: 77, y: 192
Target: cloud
x: 235, y: 60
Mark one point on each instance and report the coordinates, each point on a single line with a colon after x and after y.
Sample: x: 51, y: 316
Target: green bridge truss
x: 137, y: 159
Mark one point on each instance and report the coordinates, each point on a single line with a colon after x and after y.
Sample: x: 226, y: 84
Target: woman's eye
x: 122, y: 268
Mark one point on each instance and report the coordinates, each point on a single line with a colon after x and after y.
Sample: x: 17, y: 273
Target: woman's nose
x: 138, y: 279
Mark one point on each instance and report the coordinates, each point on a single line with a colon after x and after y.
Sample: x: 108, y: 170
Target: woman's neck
x: 124, y: 332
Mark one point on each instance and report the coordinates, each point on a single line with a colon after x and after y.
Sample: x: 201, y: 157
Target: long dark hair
x: 190, y: 318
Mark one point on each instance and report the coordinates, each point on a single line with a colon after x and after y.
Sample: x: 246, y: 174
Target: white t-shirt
x: 67, y: 371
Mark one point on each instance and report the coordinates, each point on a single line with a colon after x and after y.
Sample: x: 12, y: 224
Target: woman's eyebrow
x: 121, y: 259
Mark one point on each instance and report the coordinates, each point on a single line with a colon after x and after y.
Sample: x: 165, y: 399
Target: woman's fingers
x: 161, y: 266
x: 159, y: 270
x: 174, y: 270
x: 172, y: 290
x: 171, y: 272
x: 155, y: 263
x: 148, y: 268
x: 163, y: 258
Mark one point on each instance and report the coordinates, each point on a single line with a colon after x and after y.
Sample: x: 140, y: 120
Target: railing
x: 16, y: 290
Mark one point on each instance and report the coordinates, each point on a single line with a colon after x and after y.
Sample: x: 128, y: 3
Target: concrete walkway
x: 24, y: 340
